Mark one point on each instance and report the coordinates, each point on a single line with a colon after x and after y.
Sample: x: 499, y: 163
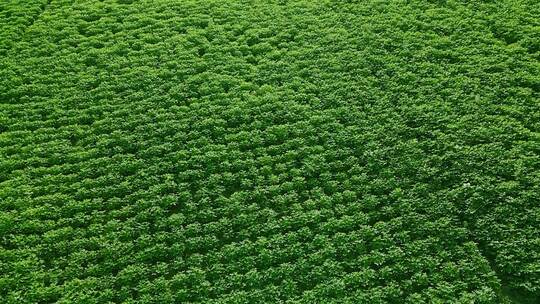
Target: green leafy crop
x: 269, y: 151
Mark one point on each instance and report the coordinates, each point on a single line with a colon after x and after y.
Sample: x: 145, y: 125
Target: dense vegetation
x: 269, y: 151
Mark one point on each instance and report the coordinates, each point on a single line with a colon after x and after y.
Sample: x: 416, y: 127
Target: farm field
x: 269, y: 151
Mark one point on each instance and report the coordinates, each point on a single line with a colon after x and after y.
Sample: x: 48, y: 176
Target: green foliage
x: 16, y: 17
x: 269, y: 152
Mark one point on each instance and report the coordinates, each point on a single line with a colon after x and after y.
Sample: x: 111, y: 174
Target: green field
x: 269, y: 151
